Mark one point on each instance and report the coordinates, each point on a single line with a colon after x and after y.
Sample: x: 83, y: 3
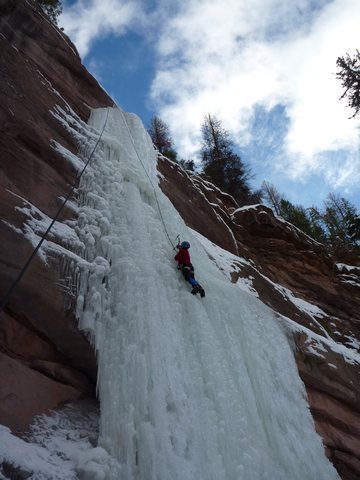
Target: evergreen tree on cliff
x: 161, y: 138
x: 349, y: 75
x: 336, y: 224
x: 224, y: 167
x: 52, y: 8
x: 341, y: 219
x: 272, y: 196
x: 306, y: 219
x: 187, y: 164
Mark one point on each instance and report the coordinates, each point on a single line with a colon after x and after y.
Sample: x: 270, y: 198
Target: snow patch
x: 75, y: 161
x: 12, y: 227
x: 60, y: 446
x: 246, y: 207
x: 320, y: 344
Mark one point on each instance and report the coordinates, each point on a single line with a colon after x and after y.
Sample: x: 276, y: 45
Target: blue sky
x: 125, y: 69
x: 265, y: 67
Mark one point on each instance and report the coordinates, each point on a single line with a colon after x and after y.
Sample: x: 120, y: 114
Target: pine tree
x: 349, y: 75
x: 304, y: 219
x: 52, y: 8
x: 318, y: 231
x: 336, y: 224
x: 188, y: 164
x: 224, y: 167
x: 354, y: 230
x: 272, y: 196
x: 308, y: 220
x: 340, y: 218
x: 161, y: 138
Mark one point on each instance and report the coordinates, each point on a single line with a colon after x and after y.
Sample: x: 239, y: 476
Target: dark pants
x: 188, y: 272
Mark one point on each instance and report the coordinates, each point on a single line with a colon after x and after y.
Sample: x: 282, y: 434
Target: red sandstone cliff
x: 44, y: 359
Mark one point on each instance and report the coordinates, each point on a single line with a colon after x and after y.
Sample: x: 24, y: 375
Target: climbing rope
x: 5, y: 299
x: 151, y: 182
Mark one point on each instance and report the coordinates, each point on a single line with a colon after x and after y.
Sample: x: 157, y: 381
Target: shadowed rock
x: 46, y: 360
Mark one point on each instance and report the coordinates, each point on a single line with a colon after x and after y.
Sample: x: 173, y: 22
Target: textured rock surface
x: 295, y: 276
x: 24, y: 393
x: 42, y: 348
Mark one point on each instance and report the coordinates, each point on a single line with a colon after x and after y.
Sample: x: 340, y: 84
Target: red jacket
x: 183, y: 257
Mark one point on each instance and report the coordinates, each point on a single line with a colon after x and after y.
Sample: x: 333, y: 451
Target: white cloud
x: 226, y: 57
x: 86, y: 21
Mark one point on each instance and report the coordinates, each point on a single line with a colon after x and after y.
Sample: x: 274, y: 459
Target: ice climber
x: 184, y: 264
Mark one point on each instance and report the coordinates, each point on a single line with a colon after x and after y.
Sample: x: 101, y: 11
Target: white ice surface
x: 190, y: 388
x: 57, y: 447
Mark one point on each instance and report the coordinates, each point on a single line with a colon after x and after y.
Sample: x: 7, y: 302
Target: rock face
x: 316, y: 299
x: 44, y: 359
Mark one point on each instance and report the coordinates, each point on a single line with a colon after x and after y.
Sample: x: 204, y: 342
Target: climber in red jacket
x: 185, y: 265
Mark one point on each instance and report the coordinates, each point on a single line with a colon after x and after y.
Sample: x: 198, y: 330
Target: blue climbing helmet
x: 185, y: 245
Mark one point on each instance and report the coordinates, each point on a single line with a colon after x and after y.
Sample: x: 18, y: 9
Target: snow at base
x: 59, y: 446
x: 190, y: 388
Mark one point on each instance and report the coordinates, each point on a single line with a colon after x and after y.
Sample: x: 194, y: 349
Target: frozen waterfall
x: 190, y: 388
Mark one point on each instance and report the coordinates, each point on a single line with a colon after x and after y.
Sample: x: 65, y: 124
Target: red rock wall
x: 44, y: 359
